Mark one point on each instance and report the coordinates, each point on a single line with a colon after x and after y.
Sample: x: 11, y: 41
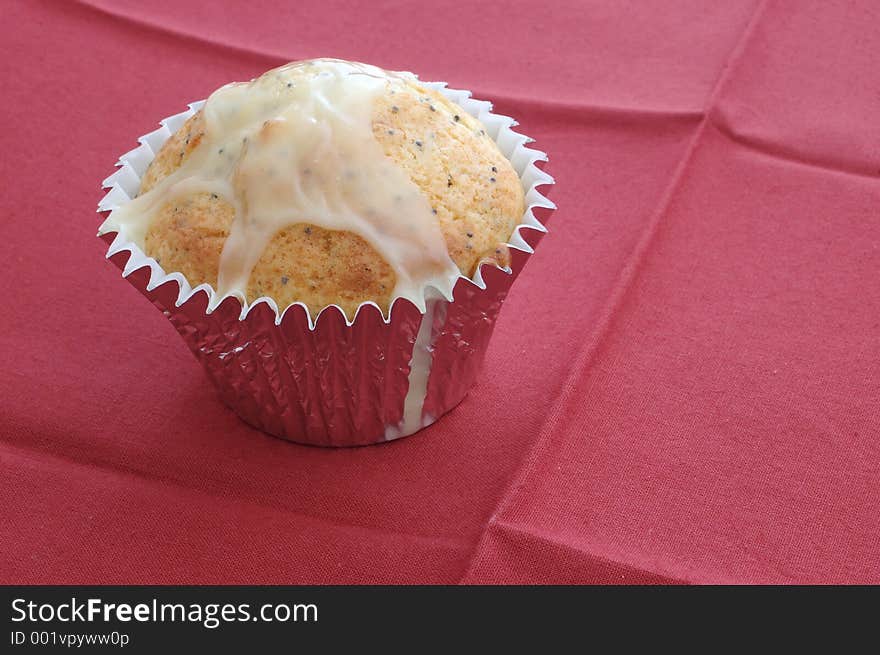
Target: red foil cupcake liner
x: 332, y: 380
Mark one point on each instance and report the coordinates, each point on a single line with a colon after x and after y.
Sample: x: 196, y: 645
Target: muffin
x: 323, y: 184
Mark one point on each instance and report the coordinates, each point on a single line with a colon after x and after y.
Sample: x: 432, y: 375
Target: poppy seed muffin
x: 475, y: 197
x: 330, y: 185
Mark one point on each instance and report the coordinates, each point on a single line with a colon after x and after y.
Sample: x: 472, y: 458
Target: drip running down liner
x: 333, y: 380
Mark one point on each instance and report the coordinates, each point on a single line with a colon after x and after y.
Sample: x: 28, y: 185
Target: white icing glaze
x: 419, y: 372
x: 296, y: 146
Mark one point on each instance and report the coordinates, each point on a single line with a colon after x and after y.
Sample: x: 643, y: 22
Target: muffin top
x: 326, y: 182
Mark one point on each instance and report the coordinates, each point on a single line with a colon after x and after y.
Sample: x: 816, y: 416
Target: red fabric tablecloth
x: 684, y: 385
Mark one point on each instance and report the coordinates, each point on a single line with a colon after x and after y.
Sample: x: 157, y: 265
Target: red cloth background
x: 683, y: 385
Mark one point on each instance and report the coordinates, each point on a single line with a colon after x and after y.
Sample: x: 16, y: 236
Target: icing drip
x: 419, y: 373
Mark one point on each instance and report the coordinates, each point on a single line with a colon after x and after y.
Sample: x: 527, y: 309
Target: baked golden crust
x: 471, y: 186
